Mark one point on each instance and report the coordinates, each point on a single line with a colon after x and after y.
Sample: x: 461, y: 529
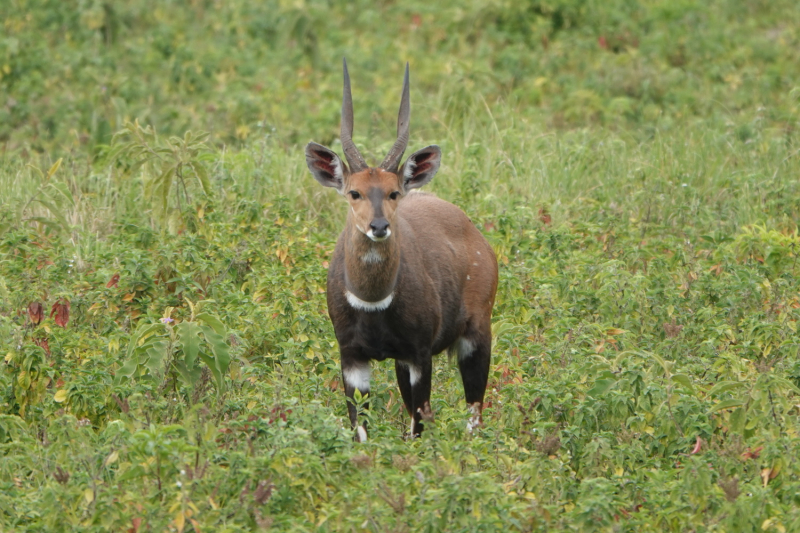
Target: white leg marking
x: 372, y: 256
x: 363, y: 305
x: 358, y: 377
x: 475, y: 417
x: 362, y: 434
x: 464, y: 348
x: 413, y: 371
x: 411, y: 434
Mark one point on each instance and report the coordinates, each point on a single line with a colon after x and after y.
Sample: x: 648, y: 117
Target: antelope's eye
x: 394, y: 196
x: 354, y: 195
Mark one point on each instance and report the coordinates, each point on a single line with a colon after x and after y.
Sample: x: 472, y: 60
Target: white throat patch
x: 363, y: 305
x: 372, y: 256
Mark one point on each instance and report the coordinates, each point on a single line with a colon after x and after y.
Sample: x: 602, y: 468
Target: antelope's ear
x: 326, y: 166
x: 420, y: 167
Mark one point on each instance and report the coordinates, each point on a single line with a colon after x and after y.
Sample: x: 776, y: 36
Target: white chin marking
x: 363, y: 305
x: 464, y: 348
x: 362, y: 434
x: 372, y: 256
x: 413, y: 373
x: 378, y: 239
x: 358, y: 377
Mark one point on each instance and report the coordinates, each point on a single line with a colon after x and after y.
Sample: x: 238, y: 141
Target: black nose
x: 379, y: 227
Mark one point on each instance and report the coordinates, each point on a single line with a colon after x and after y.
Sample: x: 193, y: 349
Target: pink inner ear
x: 325, y: 156
x: 425, y: 157
x: 324, y: 166
x: 422, y: 167
x: 324, y: 161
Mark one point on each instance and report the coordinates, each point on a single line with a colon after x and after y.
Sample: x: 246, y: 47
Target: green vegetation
x: 167, y: 364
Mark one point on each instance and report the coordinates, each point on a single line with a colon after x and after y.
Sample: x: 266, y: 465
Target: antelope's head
x: 373, y: 192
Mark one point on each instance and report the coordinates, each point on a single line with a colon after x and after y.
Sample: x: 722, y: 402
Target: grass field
x: 168, y: 364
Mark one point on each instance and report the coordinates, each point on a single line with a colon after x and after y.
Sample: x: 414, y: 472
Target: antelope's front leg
x: 356, y: 376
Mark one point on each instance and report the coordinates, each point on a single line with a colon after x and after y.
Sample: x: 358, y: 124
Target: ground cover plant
x: 167, y: 364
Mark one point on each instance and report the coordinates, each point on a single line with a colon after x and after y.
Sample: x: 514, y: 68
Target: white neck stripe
x: 363, y: 305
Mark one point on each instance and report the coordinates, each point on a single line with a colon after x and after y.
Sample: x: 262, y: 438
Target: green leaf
x: 189, y: 375
x: 202, y: 177
x: 215, y: 323
x: 685, y: 381
x: 127, y: 370
x: 157, y: 351
x: 189, y: 339
x: 142, y: 332
x: 601, y: 386
x: 55, y: 212
x: 724, y: 386
x: 726, y: 404
x: 221, y: 360
x: 218, y: 377
x: 661, y: 362
x: 53, y: 169
x: 738, y: 419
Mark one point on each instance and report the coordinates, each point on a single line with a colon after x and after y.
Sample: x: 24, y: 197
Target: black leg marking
x: 421, y: 396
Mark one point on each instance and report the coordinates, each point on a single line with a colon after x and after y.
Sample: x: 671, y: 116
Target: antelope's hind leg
x: 415, y: 387
x: 474, y: 351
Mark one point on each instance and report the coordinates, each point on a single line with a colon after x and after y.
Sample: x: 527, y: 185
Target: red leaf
x: 697, y: 446
x: 752, y: 453
x: 602, y: 42
x: 35, y: 312
x: 136, y: 523
x: 61, y: 310
x: 43, y: 343
x: 113, y: 281
x: 544, y: 216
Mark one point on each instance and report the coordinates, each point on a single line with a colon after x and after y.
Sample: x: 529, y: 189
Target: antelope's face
x: 373, y: 192
x: 373, y: 195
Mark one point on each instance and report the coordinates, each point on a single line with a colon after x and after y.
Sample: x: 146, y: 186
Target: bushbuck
x: 410, y: 277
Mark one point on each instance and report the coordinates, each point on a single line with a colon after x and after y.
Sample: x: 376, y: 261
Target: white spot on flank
x: 474, y: 264
x: 477, y: 252
x: 464, y: 348
x: 363, y: 305
x: 357, y: 376
x: 362, y: 434
x: 468, y: 278
x: 372, y: 256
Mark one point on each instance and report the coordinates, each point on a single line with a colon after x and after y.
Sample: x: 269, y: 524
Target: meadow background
x: 633, y: 164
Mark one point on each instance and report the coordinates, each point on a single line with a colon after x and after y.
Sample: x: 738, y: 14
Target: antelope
x: 410, y: 277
